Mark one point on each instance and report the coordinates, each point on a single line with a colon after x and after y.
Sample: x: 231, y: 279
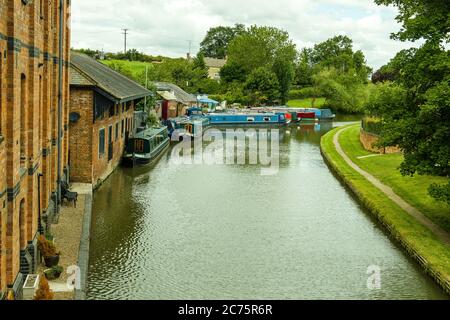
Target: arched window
x: 23, y: 118
x: 22, y: 225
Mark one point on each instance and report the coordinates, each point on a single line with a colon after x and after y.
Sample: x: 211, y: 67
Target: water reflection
x: 226, y: 232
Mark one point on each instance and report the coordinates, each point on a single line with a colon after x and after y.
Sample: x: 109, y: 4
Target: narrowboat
x: 182, y: 127
x: 146, y: 147
x: 248, y: 119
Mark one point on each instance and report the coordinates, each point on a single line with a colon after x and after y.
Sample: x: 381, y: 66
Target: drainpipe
x: 40, y: 228
x: 60, y: 71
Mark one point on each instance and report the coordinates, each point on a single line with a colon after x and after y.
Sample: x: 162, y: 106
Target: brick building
x: 29, y: 64
x: 174, y: 100
x: 102, y: 104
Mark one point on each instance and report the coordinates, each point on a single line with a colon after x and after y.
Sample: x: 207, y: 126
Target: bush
x: 372, y: 125
x: 304, y: 93
x: 53, y: 273
x: 44, y: 292
x: 46, y: 247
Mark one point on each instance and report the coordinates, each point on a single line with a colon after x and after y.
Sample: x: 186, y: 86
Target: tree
x: 304, y: 68
x: 263, y: 86
x: 215, y: 43
x: 420, y: 123
x: 264, y: 47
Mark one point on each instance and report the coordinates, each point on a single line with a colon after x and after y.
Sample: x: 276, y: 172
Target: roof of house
x: 215, y: 63
x: 86, y: 71
x: 170, y: 91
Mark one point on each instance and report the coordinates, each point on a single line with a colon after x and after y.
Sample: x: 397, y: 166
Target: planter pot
x: 51, y: 274
x: 51, y: 261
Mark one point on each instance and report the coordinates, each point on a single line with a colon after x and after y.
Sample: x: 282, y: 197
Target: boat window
x: 251, y: 119
x: 267, y: 119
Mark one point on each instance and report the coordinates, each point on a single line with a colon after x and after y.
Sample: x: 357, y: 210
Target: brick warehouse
x: 29, y: 49
x: 102, y: 104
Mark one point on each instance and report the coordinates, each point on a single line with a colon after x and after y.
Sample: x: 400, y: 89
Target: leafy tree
x: 420, y: 122
x: 265, y: 47
x: 344, y: 91
x: 263, y: 86
x: 232, y: 72
x: 216, y: 42
x: 304, y: 69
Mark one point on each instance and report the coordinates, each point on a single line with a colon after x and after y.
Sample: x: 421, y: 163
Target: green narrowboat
x: 146, y: 147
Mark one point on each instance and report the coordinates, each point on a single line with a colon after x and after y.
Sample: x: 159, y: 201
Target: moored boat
x: 248, y: 118
x: 146, y: 147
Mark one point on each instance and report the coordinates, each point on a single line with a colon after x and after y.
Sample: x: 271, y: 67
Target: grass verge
x: 306, y: 103
x: 417, y: 240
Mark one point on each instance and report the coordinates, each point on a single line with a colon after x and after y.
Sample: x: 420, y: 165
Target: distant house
x: 174, y: 101
x: 102, y: 105
x: 214, y: 66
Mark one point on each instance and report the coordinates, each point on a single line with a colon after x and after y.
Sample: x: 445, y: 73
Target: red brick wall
x: 86, y: 164
x: 369, y: 141
x: 101, y: 167
x: 80, y: 148
x: 30, y: 122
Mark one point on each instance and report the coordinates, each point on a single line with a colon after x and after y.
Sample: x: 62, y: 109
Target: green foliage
x: 266, y: 47
x: 263, y: 86
x: 427, y: 19
x: 343, y: 91
x: 419, y: 121
x: 372, y: 125
x: 440, y: 192
x: 304, y: 69
x: 215, y: 43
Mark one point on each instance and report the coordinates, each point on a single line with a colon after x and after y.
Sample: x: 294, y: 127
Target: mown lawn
x: 136, y: 68
x: 306, y: 103
x: 385, y: 167
x: 409, y: 229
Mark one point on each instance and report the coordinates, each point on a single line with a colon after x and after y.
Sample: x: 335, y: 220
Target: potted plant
x: 44, y: 292
x: 53, y: 273
x: 48, y: 251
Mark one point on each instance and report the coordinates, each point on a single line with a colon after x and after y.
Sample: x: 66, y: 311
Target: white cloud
x: 164, y: 27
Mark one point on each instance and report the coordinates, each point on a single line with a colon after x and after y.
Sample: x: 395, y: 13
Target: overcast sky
x: 166, y: 27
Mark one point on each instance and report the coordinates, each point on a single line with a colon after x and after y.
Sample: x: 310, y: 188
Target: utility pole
x: 125, y: 33
x: 190, y: 47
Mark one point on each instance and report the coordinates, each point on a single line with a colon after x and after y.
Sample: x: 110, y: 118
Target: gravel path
x: 438, y: 231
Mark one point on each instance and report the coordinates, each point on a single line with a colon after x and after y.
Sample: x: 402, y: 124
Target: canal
x: 228, y: 232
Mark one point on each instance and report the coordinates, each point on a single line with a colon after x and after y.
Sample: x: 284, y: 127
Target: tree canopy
x: 215, y: 44
x: 415, y: 108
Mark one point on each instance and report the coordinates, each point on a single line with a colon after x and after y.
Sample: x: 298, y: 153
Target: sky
x: 170, y: 27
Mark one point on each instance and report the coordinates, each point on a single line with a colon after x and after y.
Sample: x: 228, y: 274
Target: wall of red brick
x: 86, y: 164
x: 370, y: 140
x: 28, y: 125
x: 101, y: 166
x: 80, y: 146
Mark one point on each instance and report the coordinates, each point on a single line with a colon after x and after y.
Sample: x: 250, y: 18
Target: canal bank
x: 420, y: 237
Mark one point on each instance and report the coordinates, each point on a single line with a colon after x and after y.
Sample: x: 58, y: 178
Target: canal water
x: 227, y: 232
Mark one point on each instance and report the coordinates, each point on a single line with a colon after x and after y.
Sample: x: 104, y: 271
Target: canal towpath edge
x: 332, y: 150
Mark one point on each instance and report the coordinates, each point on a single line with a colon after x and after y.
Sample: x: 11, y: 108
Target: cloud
x: 167, y: 27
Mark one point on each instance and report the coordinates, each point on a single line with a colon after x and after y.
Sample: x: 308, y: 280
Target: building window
x: 41, y: 9
x: 117, y: 131
x: 23, y: 118
x: 101, y: 142
x: 123, y: 127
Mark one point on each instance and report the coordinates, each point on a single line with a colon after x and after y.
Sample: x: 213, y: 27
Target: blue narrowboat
x: 182, y: 127
x: 146, y: 147
x: 248, y: 119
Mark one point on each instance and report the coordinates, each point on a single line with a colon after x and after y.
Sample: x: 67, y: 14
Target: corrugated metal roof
x: 88, y: 71
x: 180, y: 95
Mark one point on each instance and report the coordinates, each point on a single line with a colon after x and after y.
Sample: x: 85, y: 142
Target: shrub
x: 53, y: 273
x: 304, y: 93
x: 44, y: 292
x: 372, y: 125
x: 46, y: 247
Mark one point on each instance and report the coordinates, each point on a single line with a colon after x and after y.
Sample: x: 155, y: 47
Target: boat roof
x: 149, y: 133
